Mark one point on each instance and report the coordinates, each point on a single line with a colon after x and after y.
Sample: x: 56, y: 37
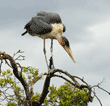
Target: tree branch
x: 17, y: 74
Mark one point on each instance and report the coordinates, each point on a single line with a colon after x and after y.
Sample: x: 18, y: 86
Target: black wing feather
x: 50, y: 17
x: 41, y: 23
x: 37, y: 26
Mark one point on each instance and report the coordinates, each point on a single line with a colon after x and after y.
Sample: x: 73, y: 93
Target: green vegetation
x: 65, y: 95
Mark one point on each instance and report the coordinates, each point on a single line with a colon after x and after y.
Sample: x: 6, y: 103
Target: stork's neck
x: 58, y: 37
x: 58, y: 26
x: 57, y: 29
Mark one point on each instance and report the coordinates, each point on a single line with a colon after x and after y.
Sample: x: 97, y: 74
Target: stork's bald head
x: 65, y: 44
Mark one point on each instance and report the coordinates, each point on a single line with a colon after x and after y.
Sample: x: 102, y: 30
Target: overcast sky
x: 87, y: 29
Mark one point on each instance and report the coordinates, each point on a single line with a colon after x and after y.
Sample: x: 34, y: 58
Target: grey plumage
x: 41, y: 23
x: 50, y: 17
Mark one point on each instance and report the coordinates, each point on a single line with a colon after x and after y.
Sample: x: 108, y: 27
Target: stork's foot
x: 51, y: 65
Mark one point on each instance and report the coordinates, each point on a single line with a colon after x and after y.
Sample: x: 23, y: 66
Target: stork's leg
x: 45, y: 55
x: 51, y: 49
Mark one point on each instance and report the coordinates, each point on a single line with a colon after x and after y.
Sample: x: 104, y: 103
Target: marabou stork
x: 48, y: 25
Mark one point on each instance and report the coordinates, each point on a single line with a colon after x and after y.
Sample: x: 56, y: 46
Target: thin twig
x: 97, y: 98
x: 7, y: 63
x: 19, y: 57
x: 19, y: 51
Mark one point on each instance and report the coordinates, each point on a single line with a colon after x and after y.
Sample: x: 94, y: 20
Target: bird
x: 48, y: 26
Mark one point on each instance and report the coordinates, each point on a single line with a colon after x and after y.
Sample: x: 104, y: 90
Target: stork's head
x: 65, y: 44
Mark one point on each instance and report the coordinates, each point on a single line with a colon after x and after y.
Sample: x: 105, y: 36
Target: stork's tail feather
x: 24, y: 33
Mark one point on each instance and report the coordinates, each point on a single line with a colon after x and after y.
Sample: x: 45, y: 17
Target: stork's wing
x: 50, y: 17
x: 41, y: 23
x: 37, y: 26
x: 42, y: 13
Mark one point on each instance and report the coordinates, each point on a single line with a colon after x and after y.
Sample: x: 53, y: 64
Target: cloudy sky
x: 87, y: 29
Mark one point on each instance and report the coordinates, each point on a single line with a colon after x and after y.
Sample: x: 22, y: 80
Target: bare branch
x: 82, y: 79
x: 101, y: 87
x: 16, y: 73
x: 19, y: 57
x: 1, y: 63
x: 7, y: 63
x: 97, y: 98
x: 20, y: 67
x: 64, y: 79
x: 19, y: 51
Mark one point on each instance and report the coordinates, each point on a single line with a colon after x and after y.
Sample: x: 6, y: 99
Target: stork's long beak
x: 69, y: 51
x: 65, y: 44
